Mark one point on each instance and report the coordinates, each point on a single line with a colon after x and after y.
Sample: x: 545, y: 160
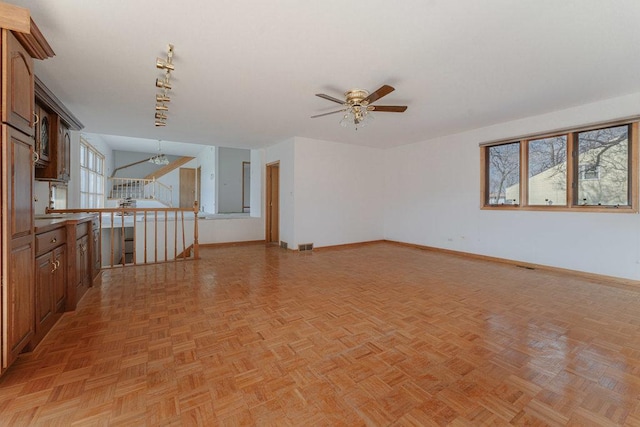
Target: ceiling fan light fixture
x: 357, y: 106
x: 160, y: 158
x: 357, y: 116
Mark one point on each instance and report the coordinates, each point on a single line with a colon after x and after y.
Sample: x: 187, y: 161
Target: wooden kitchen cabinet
x: 56, y: 164
x: 56, y: 167
x: 83, y: 267
x: 17, y: 270
x: 43, y: 139
x: 96, y: 249
x: 18, y: 79
x: 64, y: 153
x: 80, y: 280
x: 51, y: 281
x: 19, y: 252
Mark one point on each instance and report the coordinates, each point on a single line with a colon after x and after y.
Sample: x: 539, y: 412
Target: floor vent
x: 305, y: 247
x: 284, y: 245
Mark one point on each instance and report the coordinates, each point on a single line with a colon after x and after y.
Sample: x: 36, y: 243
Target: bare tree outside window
x: 504, y: 172
x: 603, y: 177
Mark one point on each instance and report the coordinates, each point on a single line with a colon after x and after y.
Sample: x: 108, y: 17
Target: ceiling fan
x: 357, y: 105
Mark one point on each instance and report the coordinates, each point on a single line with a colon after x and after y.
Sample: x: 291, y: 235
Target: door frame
x: 269, y: 201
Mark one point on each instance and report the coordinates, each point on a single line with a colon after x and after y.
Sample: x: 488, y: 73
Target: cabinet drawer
x: 49, y: 240
x: 82, y: 229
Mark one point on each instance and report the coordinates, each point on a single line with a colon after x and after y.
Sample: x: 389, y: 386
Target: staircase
x: 146, y: 188
x: 140, y: 189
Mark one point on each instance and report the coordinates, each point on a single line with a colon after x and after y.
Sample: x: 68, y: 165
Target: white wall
x: 432, y: 198
x: 258, y: 172
x: 339, y: 191
x: 206, y: 159
x: 229, y: 182
x: 230, y: 230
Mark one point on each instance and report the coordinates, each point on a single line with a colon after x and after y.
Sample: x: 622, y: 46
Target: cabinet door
x: 83, y: 266
x: 60, y: 279
x: 65, y: 154
x: 19, y: 190
x: 19, y: 249
x: 96, y: 249
x: 45, y: 277
x: 42, y: 136
x: 17, y: 65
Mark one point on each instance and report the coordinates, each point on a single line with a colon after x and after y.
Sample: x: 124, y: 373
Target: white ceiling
x: 246, y: 71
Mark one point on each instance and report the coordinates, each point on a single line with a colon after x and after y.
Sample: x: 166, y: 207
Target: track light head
x: 163, y: 83
x: 164, y: 65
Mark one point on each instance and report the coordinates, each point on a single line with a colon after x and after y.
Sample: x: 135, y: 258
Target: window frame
x: 572, y: 170
x: 98, y: 159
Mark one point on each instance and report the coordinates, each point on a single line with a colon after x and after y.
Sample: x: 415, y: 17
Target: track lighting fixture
x: 164, y: 84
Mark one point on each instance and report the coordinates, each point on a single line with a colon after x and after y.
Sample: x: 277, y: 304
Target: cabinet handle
x: 53, y: 240
x: 57, y: 263
x: 37, y: 120
x: 36, y: 157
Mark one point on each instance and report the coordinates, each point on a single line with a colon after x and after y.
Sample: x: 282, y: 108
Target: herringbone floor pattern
x: 376, y: 334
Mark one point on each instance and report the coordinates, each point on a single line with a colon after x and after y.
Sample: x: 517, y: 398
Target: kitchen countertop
x: 48, y: 222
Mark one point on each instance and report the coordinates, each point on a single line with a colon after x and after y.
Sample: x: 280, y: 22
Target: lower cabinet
x: 51, y: 281
x: 96, y: 249
x: 83, y: 266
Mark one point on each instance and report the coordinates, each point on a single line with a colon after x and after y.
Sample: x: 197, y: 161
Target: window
x: 547, y: 171
x: 533, y: 173
x: 91, y: 176
x: 504, y: 174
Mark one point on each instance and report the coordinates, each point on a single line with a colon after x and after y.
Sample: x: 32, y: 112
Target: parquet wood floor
x: 377, y: 334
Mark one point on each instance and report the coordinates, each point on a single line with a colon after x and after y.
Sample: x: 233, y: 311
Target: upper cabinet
x: 53, y: 135
x: 42, y: 136
x: 17, y: 105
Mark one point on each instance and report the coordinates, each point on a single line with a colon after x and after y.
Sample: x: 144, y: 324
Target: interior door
x: 246, y: 186
x: 273, y: 203
x: 199, y: 187
x: 187, y: 187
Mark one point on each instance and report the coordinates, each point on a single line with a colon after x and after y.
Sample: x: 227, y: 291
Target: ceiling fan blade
x: 373, y: 97
x: 326, y: 114
x: 330, y: 98
x: 388, y: 108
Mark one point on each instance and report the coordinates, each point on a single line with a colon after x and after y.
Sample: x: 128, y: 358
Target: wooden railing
x: 134, y: 236
x: 140, y: 189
